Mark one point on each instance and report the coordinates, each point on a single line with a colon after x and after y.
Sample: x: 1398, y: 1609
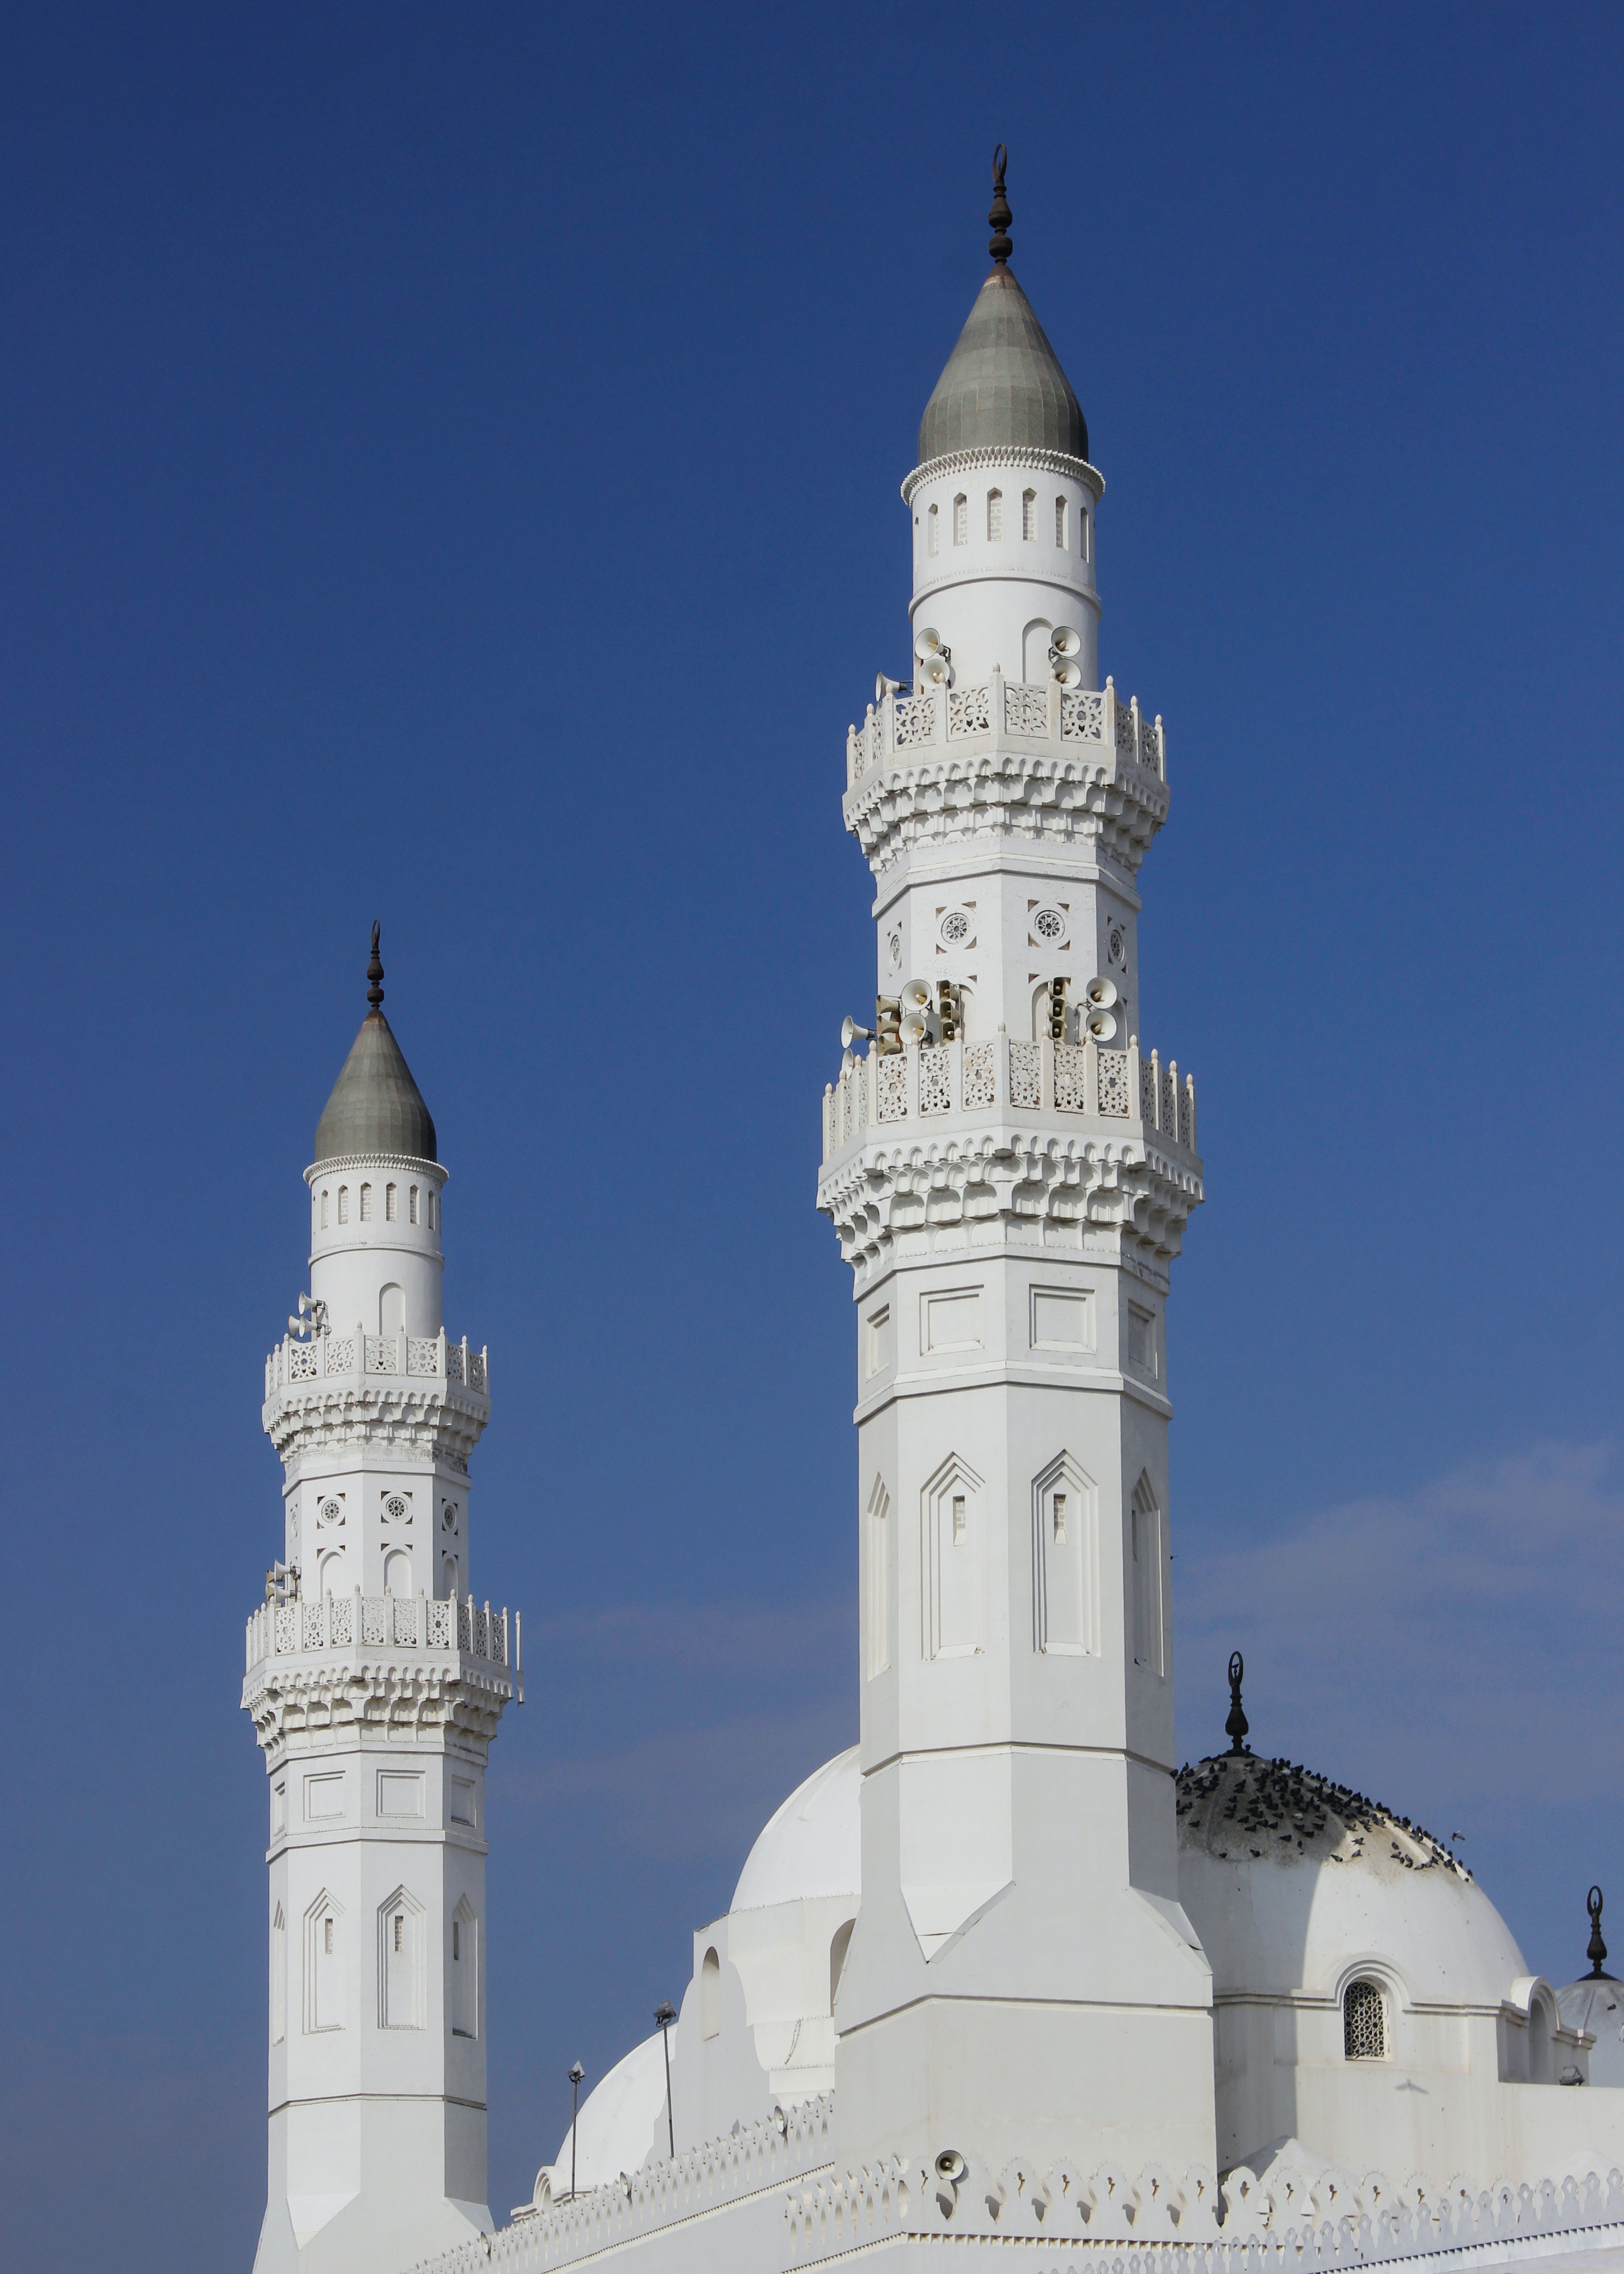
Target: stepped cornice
x: 424, y: 1397
x: 1003, y: 454
x: 396, y: 1664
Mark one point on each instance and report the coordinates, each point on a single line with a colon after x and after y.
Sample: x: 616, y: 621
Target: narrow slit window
x: 343, y: 1204
x: 390, y: 1205
x: 1028, y: 514
x: 995, y: 516
x: 456, y: 1942
x: 1060, y: 1519
x: 366, y: 1204
x: 931, y: 521
x: 326, y: 1938
x: 324, y: 1211
x: 1060, y: 523
x: 411, y: 1204
x: 434, y: 1210
x: 400, y: 1931
x: 961, y: 519
x: 1082, y: 530
x: 958, y: 1517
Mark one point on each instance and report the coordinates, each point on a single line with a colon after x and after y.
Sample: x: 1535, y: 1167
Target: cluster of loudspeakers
x: 1096, y: 1015
x: 935, y: 662
x: 1064, y: 646
x: 915, y: 1015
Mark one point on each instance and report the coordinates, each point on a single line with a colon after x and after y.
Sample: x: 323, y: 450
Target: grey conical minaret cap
x: 1003, y: 384
x: 376, y: 1107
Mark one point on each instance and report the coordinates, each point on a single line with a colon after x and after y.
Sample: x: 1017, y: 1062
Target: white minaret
x: 376, y: 1684
x: 1010, y: 1178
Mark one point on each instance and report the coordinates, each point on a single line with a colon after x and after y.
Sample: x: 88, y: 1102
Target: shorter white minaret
x: 375, y: 1683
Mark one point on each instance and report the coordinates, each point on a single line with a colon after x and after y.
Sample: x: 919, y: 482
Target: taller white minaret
x: 1010, y: 1167
x: 376, y: 1683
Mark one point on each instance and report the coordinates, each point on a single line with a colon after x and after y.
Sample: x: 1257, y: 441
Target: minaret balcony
x: 926, y: 1089
x: 357, y: 1357
x: 1035, y: 757
x: 395, y: 1663
x: 320, y: 1624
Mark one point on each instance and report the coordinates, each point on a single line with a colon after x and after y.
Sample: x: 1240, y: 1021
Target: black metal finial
x: 375, y: 973
x: 1235, y: 1728
x: 999, y: 217
x: 1597, y: 1949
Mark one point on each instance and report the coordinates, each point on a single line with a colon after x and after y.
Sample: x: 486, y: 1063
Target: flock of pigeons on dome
x: 1259, y: 1796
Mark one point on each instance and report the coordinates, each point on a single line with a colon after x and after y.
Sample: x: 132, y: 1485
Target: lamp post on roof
x: 665, y: 2013
x: 575, y: 2074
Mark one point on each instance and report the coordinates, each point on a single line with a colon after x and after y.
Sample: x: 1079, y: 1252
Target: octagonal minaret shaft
x: 375, y: 1683
x: 1010, y: 1171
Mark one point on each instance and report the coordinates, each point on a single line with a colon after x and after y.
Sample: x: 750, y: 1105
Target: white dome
x: 811, y: 1845
x: 616, y: 2127
x: 1292, y: 1881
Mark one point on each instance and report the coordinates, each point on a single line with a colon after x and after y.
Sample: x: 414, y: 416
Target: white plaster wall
x: 982, y: 596
x: 351, y: 1262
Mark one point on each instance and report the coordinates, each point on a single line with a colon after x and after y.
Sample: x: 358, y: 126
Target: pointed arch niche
x: 952, y: 1554
x: 1147, y: 1577
x: 877, y: 1581
x: 324, y: 1960
x: 402, y: 2004
x: 1066, y: 1561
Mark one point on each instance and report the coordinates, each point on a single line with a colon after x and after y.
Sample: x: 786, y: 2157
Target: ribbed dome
x: 1002, y: 384
x: 376, y: 1107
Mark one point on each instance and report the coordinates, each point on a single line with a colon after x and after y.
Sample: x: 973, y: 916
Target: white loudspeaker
x: 926, y: 641
x: 1101, y: 1025
x: 935, y: 671
x: 882, y: 687
x: 851, y: 1032
x: 1066, y: 642
x: 916, y: 994
x: 1101, y: 992
x: 1069, y: 674
x: 915, y: 1027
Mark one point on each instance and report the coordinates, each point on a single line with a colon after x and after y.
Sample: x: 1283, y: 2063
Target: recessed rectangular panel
x: 464, y: 1800
x: 323, y: 1797
x: 951, y: 1319
x: 399, y: 1792
x: 1063, y: 1320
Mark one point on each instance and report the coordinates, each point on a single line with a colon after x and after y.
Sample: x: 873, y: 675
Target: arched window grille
x: 324, y: 1211
x: 995, y: 516
x: 1060, y: 523
x: 1029, y: 514
x: 412, y: 1203
x: 1365, y: 2022
x: 389, y: 1208
x: 343, y: 1204
x: 930, y: 533
x: 961, y: 519
x: 366, y: 1204
x: 1082, y: 530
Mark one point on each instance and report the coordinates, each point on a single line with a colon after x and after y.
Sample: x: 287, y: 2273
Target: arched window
x: 366, y: 1204
x: 324, y: 1211
x: 1028, y: 514
x: 1060, y: 523
x: 711, y: 1996
x: 434, y: 1209
x: 961, y: 519
x: 390, y: 1210
x: 332, y: 1575
x: 279, y: 1977
x: 411, y: 1204
x: 838, y: 1949
x: 1365, y: 2022
x: 397, y: 1573
x: 465, y: 1971
x: 1148, y: 1552
x: 930, y: 533
x: 995, y: 516
x: 1082, y: 530
x: 343, y: 1204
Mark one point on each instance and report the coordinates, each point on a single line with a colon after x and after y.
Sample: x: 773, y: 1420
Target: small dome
x: 812, y: 1845
x: 1002, y: 384
x: 622, y: 2118
x: 1595, y: 2003
x: 376, y: 1107
x: 1289, y: 1879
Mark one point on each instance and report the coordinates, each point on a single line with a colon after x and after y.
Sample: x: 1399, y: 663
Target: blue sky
x: 449, y: 470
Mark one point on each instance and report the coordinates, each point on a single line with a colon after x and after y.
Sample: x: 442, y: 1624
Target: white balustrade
x: 351, y: 1357
x: 907, y: 730
x: 358, y: 1621
x: 877, y: 1094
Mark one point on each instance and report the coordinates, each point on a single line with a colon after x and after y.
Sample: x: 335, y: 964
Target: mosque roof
x: 1002, y: 384
x: 376, y: 1107
x: 810, y: 1846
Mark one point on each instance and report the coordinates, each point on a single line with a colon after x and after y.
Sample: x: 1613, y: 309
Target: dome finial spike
x: 999, y: 217
x: 1597, y: 1950
x: 1235, y: 1728
x: 375, y: 973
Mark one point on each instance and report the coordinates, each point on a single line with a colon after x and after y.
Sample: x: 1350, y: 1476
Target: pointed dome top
x: 1002, y: 384
x: 376, y: 1107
